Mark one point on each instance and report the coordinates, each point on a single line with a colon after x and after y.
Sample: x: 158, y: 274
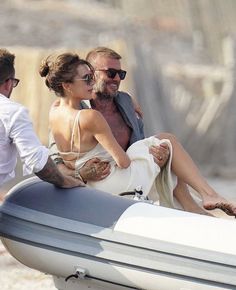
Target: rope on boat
x: 82, y: 275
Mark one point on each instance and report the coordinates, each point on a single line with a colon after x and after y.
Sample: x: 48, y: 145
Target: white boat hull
x: 60, y: 266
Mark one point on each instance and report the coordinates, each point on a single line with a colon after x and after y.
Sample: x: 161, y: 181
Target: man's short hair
x: 103, y: 51
x: 6, y: 65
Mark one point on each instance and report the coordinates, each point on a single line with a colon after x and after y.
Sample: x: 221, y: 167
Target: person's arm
x: 94, y: 170
x: 137, y: 107
x: 132, y: 114
x: 96, y: 124
x: 51, y: 174
x: 160, y: 153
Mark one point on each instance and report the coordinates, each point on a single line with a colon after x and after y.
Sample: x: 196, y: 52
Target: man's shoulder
x: 10, y: 107
x: 123, y: 94
x: 123, y: 97
x: 12, y: 113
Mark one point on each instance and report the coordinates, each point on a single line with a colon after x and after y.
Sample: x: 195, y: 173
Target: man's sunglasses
x: 111, y: 73
x: 15, y: 82
x: 88, y: 79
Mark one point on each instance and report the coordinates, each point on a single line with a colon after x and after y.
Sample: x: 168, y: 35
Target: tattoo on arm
x: 93, y: 172
x: 51, y: 174
x: 89, y: 172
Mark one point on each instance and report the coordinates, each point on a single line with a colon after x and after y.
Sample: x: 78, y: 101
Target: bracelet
x: 77, y: 175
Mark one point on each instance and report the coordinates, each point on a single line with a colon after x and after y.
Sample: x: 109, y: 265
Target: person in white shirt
x: 18, y: 137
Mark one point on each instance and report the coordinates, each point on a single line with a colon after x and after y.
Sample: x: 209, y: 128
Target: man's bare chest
x: 119, y: 128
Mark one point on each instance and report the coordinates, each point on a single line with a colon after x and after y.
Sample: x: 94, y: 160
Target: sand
x: 15, y: 276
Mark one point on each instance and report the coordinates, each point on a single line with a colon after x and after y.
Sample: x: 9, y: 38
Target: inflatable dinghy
x: 88, y: 239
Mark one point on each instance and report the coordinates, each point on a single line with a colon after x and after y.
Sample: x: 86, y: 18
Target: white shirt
x: 17, y: 136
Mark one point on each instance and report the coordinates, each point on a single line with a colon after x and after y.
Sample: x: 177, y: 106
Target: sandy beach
x: 15, y: 276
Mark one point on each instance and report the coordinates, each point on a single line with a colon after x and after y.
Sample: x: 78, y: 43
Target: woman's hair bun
x: 44, y: 68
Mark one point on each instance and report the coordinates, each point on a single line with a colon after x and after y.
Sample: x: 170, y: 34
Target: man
x: 17, y: 135
x: 127, y: 127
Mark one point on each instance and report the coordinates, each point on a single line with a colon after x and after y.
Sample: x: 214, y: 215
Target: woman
x: 84, y: 134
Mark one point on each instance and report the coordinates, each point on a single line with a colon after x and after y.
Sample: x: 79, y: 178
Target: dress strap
x: 75, y: 133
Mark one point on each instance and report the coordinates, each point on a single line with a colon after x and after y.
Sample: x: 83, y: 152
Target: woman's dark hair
x: 62, y: 70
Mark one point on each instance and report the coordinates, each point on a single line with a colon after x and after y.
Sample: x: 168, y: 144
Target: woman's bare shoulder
x: 90, y: 114
x: 90, y: 118
x: 53, y: 111
x: 55, y: 104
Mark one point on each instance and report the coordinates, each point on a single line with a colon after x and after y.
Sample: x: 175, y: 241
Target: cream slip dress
x: 143, y: 171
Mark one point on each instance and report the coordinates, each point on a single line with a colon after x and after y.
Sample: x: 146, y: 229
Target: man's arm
x: 160, y: 153
x: 93, y: 170
x: 51, y: 174
x: 137, y: 107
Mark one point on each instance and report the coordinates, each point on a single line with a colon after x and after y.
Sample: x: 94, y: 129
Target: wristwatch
x: 77, y: 175
x: 58, y: 161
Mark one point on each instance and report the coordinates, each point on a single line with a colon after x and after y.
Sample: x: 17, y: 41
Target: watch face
x: 58, y: 161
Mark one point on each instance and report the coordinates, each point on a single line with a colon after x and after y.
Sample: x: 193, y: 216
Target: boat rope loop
x: 81, y: 274
x: 72, y: 276
x: 137, y: 192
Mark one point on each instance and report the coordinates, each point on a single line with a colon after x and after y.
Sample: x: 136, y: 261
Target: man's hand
x: 95, y: 170
x: 69, y: 177
x: 65, y: 170
x: 52, y: 174
x: 70, y: 181
x: 160, y: 154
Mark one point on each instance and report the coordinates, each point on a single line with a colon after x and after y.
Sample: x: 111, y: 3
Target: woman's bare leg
x: 184, y: 197
x: 186, y: 170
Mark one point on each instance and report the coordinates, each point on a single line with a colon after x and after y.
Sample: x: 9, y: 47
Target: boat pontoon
x: 88, y: 239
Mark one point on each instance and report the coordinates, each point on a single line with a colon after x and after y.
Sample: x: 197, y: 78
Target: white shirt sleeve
x: 33, y: 154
